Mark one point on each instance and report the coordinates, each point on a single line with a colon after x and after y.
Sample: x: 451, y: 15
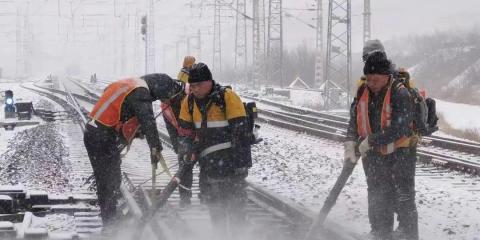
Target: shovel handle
x: 154, y: 182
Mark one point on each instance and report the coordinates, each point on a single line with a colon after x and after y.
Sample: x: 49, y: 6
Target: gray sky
x: 97, y: 40
x: 394, y: 18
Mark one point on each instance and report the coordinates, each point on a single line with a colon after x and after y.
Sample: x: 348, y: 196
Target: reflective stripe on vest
x: 213, y: 124
x: 214, y: 148
x: 363, y: 121
x: 107, y: 110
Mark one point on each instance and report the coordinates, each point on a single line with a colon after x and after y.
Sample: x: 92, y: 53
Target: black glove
x: 241, y: 172
x: 156, y: 156
x: 187, y: 146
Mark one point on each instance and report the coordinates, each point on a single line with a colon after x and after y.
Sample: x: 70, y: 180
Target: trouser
x: 226, y: 199
x: 405, y: 224
x: 186, y: 179
x: 391, y: 186
x: 101, y: 144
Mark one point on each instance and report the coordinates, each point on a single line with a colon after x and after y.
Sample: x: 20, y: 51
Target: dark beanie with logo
x: 199, y: 73
x: 377, y: 63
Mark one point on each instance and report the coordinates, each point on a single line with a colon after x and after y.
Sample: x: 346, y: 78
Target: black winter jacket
x: 402, y: 116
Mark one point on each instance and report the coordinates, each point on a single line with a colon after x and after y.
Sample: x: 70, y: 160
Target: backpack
x: 218, y: 97
x: 425, y: 118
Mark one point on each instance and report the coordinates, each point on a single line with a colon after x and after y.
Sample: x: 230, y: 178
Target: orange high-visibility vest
x: 363, y: 121
x: 107, y: 110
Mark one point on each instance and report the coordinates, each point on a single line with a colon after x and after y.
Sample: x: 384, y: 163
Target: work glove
x: 186, y: 148
x: 364, y: 147
x: 188, y: 61
x: 349, y: 154
x: 157, y: 157
x: 241, y: 172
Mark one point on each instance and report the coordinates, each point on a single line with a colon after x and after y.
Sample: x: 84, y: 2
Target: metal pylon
x: 319, y: 68
x: 275, y: 43
x: 217, y: 42
x: 366, y: 21
x: 240, y: 62
x: 150, y: 44
x: 338, y: 66
x: 258, y: 45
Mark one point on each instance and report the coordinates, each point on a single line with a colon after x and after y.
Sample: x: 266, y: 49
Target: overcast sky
x: 97, y: 39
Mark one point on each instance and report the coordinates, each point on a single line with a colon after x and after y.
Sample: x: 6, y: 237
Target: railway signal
x: 9, y: 104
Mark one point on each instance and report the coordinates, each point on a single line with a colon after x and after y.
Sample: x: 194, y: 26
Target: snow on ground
x: 38, y: 156
x: 19, y: 94
x: 304, y: 168
x: 458, y: 115
x: 35, y: 158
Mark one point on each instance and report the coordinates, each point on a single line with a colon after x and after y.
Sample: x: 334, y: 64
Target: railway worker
x: 171, y: 115
x: 381, y: 125
x: 420, y: 129
x: 372, y: 46
x: 124, y: 107
x: 218, y: 117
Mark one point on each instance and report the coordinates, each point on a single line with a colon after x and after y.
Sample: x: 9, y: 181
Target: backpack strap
x: 190, y: 104
x: 219, y: 97
x: 360, y: 90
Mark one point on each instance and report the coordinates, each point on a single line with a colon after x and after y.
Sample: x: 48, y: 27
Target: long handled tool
x: 317, y: 224
x: 162, y: 199
x: 154, y: 182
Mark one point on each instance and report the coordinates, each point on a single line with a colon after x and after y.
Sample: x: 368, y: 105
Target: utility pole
x: 217, y: 44
x: 338, y: 66
x: 258, y: 43
x: 27, y: 43
x: 366, y: 21
x: 123, y: 54
x: 319, y: 70
x: 199, y: 44
x: 240, y: 61
x: 275, y: 43
x: 136, y: 50
x: 177, y: 50
x: 144, y: 33
x: 150, y: 38
x: 18, y: 46
x: 165, y: 48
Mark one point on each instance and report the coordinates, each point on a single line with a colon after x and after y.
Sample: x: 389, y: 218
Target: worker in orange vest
x: 381, y: 125
x: 124, y: 110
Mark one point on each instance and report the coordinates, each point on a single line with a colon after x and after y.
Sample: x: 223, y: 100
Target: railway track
x: 432, y: 170
x: 452, y: 153
x: 269, y: 216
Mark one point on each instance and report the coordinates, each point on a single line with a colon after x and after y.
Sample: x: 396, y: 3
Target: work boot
x: 402, y: 234
x: 375, y: 236
x: 399, y: 234
x: 185, y: 203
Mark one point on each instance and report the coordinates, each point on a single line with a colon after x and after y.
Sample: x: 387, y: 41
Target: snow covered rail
x: 455, y: 144
x: 451, y: 159
x: 66, y: 105
x: 319, y: 121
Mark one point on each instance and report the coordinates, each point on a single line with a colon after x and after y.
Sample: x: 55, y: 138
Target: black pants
x: 391, y: 186
x: 186, y: 179
x: 226, y: 199
x: 101, y: 144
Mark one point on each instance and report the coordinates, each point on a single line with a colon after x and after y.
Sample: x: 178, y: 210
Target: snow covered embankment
x: 35, y: 159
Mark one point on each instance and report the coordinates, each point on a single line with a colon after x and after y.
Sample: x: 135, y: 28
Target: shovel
x: 317, y: 224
